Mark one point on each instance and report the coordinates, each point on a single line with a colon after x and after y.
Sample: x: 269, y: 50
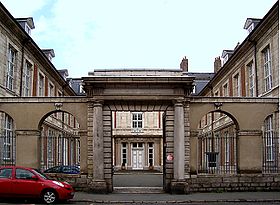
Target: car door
x: 6, y: 181
x: 25, y: 184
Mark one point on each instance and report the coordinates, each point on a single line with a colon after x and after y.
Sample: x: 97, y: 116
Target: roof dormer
x: 49, y: 53
x: 250, y: 24
x: 226, y: 55
x: 27, y: 24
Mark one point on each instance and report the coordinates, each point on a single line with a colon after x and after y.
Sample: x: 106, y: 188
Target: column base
x: 98, y: 187
x: 179, y: 187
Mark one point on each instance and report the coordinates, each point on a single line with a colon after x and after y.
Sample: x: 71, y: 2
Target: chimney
x: 217, y: 64
x: 184, y: 64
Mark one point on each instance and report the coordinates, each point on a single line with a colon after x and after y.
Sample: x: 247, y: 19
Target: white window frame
x: 251, y: 79
x: 41, y: 86
x: 151, y: 151
x: 51, y: 89
x: 138, y: 122
x: 269, y: 141
x: 27, y: 78
x: 11, y: 66
x: 225, y: 90
x: 27, y: 29
x: 8, y: 138
x: 237, y: 84
x: 124, y: 153
x: 50, y: 148
x: 267, y: 70
x: 227, y: 148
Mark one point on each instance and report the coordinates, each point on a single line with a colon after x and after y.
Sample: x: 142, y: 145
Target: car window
x: 53, y: 170
x: 23, y: 174
x: 6, y: 173
x: 66, y: 169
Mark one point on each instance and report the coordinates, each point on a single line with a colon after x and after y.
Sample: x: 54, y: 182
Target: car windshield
x: 41, y: 174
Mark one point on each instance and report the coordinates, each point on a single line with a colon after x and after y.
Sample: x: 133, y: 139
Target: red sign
x: 170, y: 157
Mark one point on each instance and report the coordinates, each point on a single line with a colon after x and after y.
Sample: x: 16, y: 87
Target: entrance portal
x: 137, y: 149
x: 137, y: 156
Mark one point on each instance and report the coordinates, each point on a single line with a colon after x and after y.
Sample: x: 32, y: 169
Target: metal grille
x: 271, y: 152
x: 8, y: 149
x: 59, y: 150
x: 217, y: 153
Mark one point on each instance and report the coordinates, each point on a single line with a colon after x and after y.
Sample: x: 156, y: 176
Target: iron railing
x: 7, y: 150
x: 217, y: 153
x: 59, y: 150
x: 271, y: 152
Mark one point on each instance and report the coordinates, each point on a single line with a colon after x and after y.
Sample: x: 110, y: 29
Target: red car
x: 25, y: 182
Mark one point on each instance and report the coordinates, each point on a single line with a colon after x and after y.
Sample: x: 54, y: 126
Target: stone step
x: 138, y: 190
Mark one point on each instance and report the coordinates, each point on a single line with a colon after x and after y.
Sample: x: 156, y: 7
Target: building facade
x: 223, y: 139
x: 251, y: 69
x: 27, y: 71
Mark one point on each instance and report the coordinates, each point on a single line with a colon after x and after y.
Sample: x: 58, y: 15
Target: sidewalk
x: 168, y: 198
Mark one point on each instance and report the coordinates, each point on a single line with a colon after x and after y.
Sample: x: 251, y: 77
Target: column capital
x: 179, y: 101
x: 96, y: 102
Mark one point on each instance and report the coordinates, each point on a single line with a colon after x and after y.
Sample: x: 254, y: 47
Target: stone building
x: 220, y: 136
x: 27, y: 71
x: 249, y: 70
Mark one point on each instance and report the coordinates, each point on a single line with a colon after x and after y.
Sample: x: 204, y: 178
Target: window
x: 26, y: 79
x: 24, y: 174
x: 151, y: 153
x: 216, y: 94
x: 267, y: 70
x: 227, y: 148
x: 81, y: 88
x: 269, y: 141
x: 236, y: 84
x: 50, y: 147
x: 225, y: 90
x: 124, y: 153
x: 51, y: 90
x: 251, y: 79
x: 8, y: 138
x: 11, y: 68
x: 41, y: 85
x: 6, y: 173
x: 27, y: 29
x: 137, y: 120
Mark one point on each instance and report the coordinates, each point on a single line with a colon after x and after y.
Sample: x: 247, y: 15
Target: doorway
x: 137, y: 156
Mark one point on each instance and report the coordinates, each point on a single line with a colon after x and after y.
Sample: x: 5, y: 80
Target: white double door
x: 137, y: 156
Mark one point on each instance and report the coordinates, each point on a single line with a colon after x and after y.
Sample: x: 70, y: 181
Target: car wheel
x: 49, y: 197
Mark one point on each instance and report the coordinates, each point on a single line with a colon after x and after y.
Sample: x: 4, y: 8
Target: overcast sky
x: 104, y: 34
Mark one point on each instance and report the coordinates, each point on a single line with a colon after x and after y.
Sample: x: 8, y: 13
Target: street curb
x: 175, y: 201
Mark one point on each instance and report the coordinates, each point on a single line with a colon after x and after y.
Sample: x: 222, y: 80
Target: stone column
x: 98, y: 184
x: 249, y: 151
x: 98, y: 154
x: 28, y: 150
x: 83, y: 151
x: 179, y: 142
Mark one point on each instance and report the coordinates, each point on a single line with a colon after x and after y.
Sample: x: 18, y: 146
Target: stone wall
x: 242, y: 182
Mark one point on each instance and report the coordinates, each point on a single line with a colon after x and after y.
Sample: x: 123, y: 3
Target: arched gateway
x: 182, y: 114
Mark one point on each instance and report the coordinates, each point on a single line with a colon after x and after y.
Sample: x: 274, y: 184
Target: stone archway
x: 137, y: 93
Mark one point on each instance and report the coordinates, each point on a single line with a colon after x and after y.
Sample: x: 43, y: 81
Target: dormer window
x: 27, y: 24
x: 49, y: 53
x: 28, y: 29
x: 226, y: 55
x: 250, y: 24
